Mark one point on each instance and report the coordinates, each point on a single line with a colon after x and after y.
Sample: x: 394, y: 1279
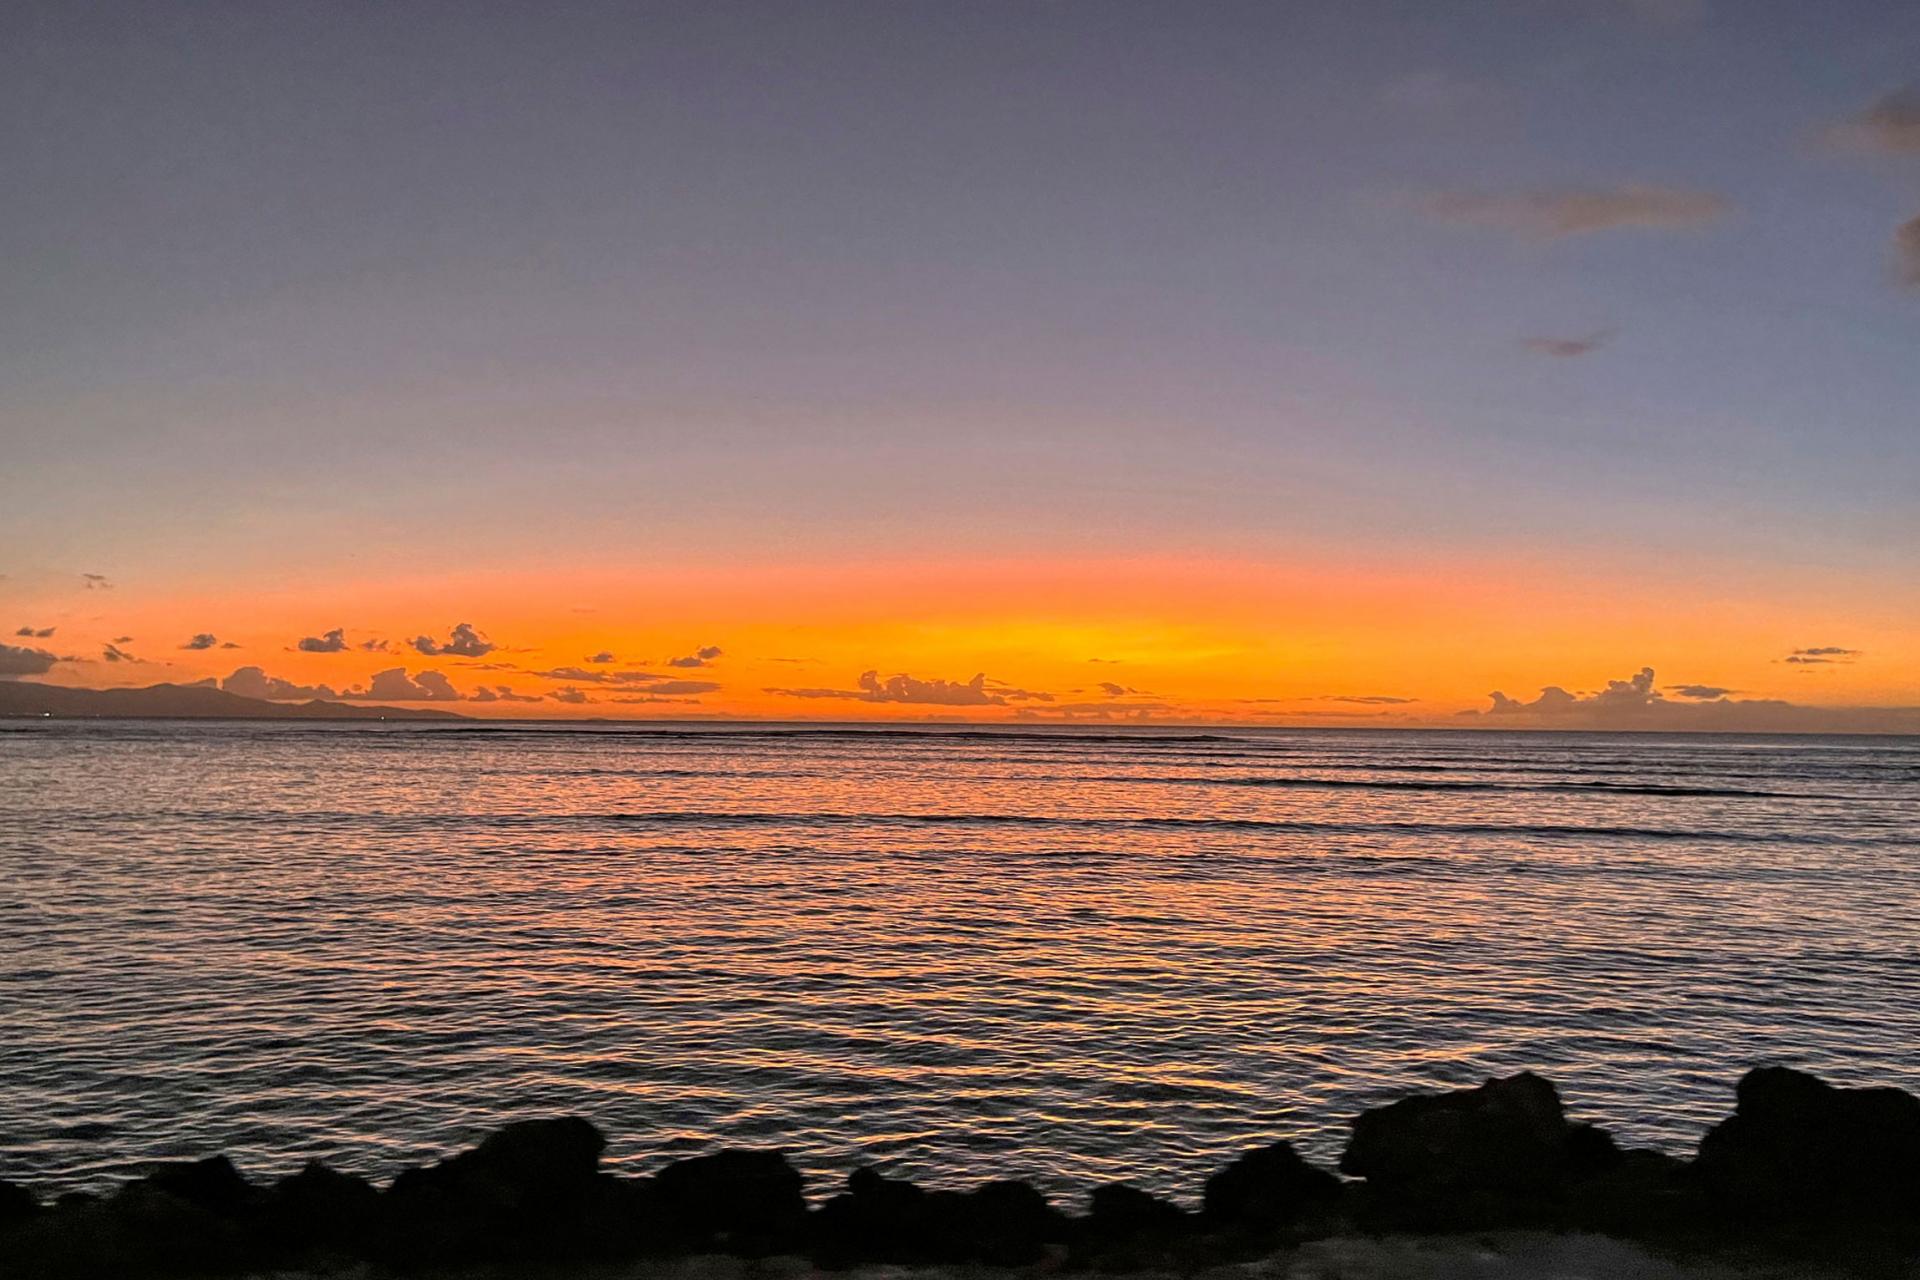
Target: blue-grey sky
x: 1609, y: 281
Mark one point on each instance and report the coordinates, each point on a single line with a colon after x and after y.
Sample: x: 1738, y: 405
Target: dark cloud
x: 501, y: 693
x: 580, y: 675
x: 375, y: 646
x: 35, y: 633
x: 1703, y: 692
x: 1636, y: 703
x: 1367, y: 699
x: 123, y: 639
x: 334, y: 641
x: 695, y: 687
x: 698, y: 658
x: 464, y: 642
x: 1906, y: 249
x: 571, y: 695
x: 18, y: 660
x: 1891, y: 125
x: 1556, y: 214
x: 1113, y: 690
x: 114, y: 653
x: 1568, y: 348
x: 228, y: 644
x: 252, y: 682
x: 205, y: 640
x: 602, y: 658
x: 1821, y: 656
x: 909, y: 689
x: 395, y: 685
x: 95, y: 582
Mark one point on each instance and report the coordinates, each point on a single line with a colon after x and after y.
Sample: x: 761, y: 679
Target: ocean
x: 1072, y: 955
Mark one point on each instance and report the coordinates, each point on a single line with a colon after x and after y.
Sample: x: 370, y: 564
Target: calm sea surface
x: 1067, y: 955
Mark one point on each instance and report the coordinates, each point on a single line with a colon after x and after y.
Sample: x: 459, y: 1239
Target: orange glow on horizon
x: 1186, y: 639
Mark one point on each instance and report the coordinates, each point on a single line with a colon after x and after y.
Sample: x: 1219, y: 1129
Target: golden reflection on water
x: 1067, y: 956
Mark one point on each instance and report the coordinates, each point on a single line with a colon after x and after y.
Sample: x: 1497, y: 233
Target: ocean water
x: 1066, y: 955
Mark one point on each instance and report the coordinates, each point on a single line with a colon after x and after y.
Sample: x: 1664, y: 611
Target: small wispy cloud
x: 501, y: 693
x: 204, y: 640
x: 114, y: 653
x: 602, y: 658
x: 1567, y: 348
x: 1889, y: 126
x: 1555, y: 214
x: 334, y: 641
x: 35, y: 633
x: 1906, y: 252
x: 1822, y: 655
x: 698, y: 658
x: 95, y: 582
x: 682, y: 688
x: 462, y: 642
x: 1700, y: 692
x: 1366, y: 699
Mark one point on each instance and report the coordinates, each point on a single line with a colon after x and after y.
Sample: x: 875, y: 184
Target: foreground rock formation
x: 1800, y: 1169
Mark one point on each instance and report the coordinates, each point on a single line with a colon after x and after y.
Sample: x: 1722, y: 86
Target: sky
x: 1078, y: 359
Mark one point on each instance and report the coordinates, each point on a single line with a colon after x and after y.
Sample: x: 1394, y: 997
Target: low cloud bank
x: 20, y: 660
x: 395, y: 685
x: 977, y: 692
x: 252, y: 682
x: 1637, y: 703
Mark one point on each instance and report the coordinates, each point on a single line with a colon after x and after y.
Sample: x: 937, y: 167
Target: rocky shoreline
x: 1801, y: 1171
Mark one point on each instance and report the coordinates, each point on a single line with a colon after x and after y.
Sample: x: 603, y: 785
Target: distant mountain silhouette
x: 187, y: 701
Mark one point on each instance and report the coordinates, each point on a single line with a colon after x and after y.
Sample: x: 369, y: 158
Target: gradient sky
x: 1243, y: 357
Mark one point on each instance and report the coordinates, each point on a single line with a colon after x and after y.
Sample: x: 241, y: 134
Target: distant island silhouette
x: 30, y: 699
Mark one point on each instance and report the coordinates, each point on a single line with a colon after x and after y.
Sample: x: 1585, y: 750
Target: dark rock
x: 877, y: 1219
x: 139, y: 1231
x: 1268, y: 1188
x: 518, y: 1194
x: 318, y: 1210
x: 17, y: 1204
x: 748, y: 1202
x: 1635, y: 1194
x: 1499, y: 1154
x: 1013, y: 1223
x: 1122, y: 1211
x: 887, y: 1220
x: 1797, y: 1147
x: 212, y: 1184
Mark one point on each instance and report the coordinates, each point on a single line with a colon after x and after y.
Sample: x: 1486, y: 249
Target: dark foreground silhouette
x: 1801, y: 1169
